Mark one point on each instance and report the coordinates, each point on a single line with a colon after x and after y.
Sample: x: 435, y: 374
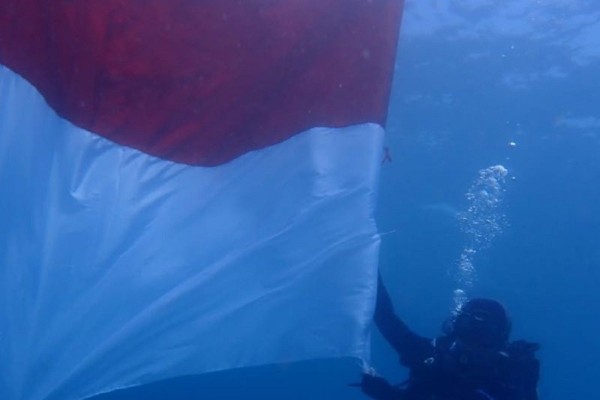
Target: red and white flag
x: 186, y: 186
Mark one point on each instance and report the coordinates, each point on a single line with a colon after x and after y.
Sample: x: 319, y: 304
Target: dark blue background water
x: 471, y: 77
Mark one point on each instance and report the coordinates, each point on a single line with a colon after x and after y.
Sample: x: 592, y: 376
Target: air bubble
x: 483, y: 221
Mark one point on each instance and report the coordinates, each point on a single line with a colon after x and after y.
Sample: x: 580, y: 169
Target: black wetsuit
x: 440, y: 371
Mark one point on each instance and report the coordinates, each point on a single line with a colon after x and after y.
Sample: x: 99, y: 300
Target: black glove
x: 377, y: 388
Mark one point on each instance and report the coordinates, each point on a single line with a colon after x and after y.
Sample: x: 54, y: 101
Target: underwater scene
x: 492, y: 188
x: 448, y: 248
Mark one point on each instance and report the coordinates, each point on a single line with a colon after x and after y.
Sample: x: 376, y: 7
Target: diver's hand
x: 376, y: 387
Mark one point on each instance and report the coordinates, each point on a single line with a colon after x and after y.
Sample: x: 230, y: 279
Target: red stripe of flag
x: 202, y: 82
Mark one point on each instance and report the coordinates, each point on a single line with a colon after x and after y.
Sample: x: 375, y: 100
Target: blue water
x: 472, y: 77
x: 466, y: 87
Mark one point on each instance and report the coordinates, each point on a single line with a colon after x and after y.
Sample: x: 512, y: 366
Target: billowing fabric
x: 168, y: 208
x: 119, y: 268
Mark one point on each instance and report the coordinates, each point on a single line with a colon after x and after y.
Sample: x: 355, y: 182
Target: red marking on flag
x: 204, y: 81
x: 387, y: 155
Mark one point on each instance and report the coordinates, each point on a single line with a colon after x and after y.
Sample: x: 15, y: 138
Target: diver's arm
x: 408, y: 344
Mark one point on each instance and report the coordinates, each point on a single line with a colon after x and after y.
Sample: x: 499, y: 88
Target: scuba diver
x: 472, y: 360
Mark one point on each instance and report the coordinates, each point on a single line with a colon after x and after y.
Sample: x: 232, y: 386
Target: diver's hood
x: 482, y: 322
